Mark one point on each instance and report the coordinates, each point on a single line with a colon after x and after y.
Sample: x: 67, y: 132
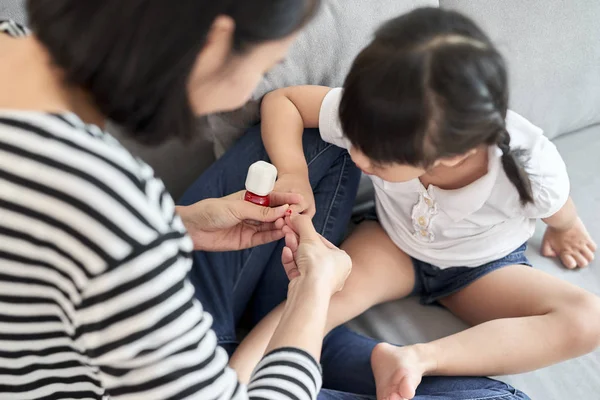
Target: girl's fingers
x: 568, y: 260
x: 587, y: 253
x: 582, y: 262
x: 547, y: 250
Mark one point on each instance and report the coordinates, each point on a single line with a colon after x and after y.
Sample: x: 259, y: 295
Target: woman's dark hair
x: 430, y: 85
x: 135, y: 57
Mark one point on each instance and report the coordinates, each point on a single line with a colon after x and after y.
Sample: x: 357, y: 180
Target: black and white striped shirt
x: 94, y: 300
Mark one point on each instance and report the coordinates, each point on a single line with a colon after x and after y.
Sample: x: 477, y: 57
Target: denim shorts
x: 434, y: 283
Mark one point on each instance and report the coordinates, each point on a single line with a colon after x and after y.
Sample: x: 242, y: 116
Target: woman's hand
x: 230, y: 223
x: 311, y: 259
x: 573, y: 245
x: 298, y: 183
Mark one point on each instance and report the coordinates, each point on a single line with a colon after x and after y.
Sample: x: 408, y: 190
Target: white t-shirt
x: 479, y: 223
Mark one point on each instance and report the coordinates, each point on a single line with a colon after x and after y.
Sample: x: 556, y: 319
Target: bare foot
x: 398, y: 371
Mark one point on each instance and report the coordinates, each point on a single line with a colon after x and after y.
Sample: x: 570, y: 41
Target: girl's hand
x: 574, y: 246
x: 223, y: 224
x: 309, y: 258
x: 298, y: 183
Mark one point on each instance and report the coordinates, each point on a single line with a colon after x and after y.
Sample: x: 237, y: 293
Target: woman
x: 94, y: 295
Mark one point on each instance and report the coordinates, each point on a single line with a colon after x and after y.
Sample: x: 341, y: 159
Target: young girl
x: 459, y: 183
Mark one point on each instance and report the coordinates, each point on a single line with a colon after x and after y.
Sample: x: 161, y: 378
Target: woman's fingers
x: 266, y: 226
x: 244, y: 210
x: 264, y: 237
x: 279, y: 224
x: 286, y: 229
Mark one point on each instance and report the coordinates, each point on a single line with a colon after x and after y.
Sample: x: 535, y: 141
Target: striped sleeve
x: 287, y: 372
x: 151, y: 339
x: 13, y: 29
x: 93, y: 253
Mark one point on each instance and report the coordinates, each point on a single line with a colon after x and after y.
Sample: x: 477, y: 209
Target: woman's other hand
x: 231, y: 223
x: 309, y: 258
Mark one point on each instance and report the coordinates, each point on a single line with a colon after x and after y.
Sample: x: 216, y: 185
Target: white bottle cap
x: 261, y: 178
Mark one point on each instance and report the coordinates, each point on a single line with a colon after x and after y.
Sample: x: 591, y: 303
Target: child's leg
x: 527, y: 320
x: 381, y: 272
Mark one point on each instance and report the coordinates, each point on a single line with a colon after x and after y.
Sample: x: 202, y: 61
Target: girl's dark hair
x: 135, y: 57
x: 430, y: 85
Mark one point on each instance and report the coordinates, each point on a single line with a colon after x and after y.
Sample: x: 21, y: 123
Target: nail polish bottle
x: 260, y: 183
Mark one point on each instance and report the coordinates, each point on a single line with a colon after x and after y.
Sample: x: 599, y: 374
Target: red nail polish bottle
x: 260, y: 183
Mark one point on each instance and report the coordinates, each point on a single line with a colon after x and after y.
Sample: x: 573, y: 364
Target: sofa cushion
x: 322, y: 55
x: 553, y: 51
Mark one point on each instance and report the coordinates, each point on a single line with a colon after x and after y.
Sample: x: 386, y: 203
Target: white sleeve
x: 329, y: 120
x: 549, y: 179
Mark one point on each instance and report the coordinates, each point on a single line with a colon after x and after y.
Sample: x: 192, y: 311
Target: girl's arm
x: 285, y: 114
x: 565, y: 218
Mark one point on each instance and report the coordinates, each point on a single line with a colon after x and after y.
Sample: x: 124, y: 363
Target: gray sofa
x: 553, y: 50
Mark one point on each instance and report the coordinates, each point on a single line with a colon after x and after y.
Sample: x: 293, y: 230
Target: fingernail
x: 289, y: 211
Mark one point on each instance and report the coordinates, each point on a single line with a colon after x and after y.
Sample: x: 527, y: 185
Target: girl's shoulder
x: 541, y: 153
x: 523, y: 133
x: 544, y: 165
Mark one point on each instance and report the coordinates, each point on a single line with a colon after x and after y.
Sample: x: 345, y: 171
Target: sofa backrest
x: 13, y: 9
x: 552, y: 47
x: 553, y: 52
x: 322, y: 54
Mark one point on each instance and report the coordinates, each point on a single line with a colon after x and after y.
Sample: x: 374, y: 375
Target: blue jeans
x: 252, y: 282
